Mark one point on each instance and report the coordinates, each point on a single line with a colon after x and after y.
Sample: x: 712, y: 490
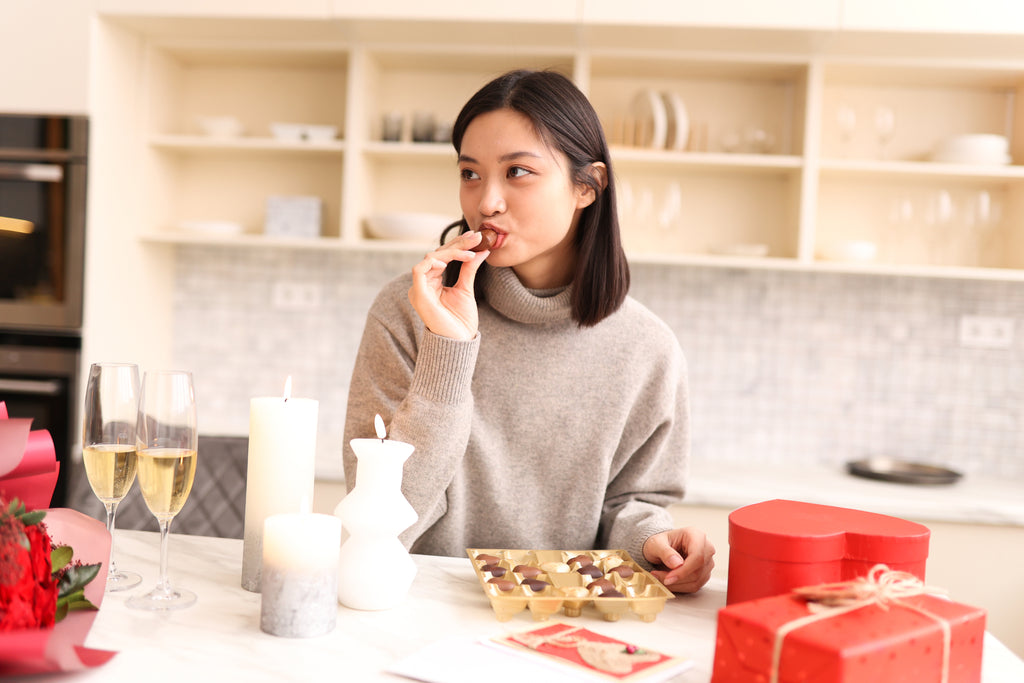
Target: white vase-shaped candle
x: 375, y: 570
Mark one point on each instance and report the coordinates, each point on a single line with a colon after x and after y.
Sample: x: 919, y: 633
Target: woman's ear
x: 599, y: 174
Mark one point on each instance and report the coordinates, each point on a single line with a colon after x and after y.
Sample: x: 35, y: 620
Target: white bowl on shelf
x: 407, y: 226
x: 981, y: 148
x: 287, y: 132
x: 320, y: 133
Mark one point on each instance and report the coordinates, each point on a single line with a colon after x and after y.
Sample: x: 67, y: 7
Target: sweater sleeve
x: 651, y: 466
x: 420, y: 383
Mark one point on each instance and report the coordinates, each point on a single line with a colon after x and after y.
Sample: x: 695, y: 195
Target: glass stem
x: 164, y: 585
x: 111, y: 513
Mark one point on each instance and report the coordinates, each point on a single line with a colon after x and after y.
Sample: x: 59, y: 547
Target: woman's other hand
x: 686, y: 555
x: 448, y: 311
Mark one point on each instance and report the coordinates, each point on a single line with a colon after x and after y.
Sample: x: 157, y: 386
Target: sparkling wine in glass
x: 167, y: 441
x: 108, y: 446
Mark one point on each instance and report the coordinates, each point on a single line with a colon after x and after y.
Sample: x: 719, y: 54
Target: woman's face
x: 515, y: 184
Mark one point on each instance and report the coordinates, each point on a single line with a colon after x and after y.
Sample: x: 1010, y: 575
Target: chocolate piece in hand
x: 487, y: 240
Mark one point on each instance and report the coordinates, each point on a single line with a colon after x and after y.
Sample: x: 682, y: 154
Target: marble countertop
x: 973, y: 499
x: 219, y: 639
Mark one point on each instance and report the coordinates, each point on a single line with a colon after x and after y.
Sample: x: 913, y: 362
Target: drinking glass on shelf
x: 108, y: 446
x: 167, y: 442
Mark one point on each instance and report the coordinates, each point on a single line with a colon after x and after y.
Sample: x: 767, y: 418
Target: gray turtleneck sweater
x: 535, y: 434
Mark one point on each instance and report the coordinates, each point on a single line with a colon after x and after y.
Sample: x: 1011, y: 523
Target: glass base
x: 162, y: 599
x: 122, y: 581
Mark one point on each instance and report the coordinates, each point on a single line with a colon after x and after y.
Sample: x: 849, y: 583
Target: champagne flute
x: 108, y: 446
x: 167, y: 441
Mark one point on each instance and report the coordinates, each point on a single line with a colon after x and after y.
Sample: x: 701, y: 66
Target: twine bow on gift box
x: 882, y: 587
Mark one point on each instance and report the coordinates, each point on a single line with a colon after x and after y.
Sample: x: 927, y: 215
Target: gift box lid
x: 793, y: 531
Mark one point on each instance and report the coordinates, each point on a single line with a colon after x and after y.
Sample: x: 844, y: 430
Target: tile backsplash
x: 785, y: 366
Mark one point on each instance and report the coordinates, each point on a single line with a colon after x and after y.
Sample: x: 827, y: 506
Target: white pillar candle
x: 280, y: 470
x: 300, y: 574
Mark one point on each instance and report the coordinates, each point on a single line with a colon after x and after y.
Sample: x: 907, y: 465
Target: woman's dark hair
x: 563, y: 116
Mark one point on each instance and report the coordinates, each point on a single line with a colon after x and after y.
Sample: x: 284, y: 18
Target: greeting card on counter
x: 462, y: 659
x: 586, y: 651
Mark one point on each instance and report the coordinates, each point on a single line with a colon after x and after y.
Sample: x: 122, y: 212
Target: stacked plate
x: 661, y: 119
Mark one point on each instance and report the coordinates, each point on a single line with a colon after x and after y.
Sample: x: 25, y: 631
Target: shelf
x: 250, y: 240
x: 398, y: 150
x: 923, y: 169
x: 768, y: 160
x: 707, y: 160
x: 202, y: 143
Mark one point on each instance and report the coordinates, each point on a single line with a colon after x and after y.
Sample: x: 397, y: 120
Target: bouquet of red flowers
x: 39, y: 581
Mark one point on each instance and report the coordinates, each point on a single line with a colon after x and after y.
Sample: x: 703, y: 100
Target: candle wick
x: 287, y: 388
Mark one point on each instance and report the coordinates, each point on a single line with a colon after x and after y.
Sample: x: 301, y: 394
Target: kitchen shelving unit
x: 808, y: 187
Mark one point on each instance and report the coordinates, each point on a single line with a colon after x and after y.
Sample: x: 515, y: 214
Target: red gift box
x: 891, y: 640
x: 779, y: 545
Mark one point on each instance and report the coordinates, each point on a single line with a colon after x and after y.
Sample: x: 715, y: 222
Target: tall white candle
x: 300, y: 574
x: 280, y: 470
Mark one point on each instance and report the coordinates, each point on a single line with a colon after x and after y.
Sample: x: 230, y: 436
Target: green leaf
x: 81, y: 605
x: 76, y: 577
x: 62, y: 611
x: 60, y: 557
x: 34, y: 517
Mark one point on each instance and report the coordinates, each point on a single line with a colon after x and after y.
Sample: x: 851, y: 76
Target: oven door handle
x: 31, y: 386
x: 44, y: 173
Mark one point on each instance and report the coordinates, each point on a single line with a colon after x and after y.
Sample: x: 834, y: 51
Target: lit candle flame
x: 304, y: 506
x: 288, y: 388
x: 378, y: 424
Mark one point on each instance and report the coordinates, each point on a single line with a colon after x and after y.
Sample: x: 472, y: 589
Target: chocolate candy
x: 488, y: 559
x: 591, y: 571
x: 536, y: 585
x: 488, y: 238
x: 527, y: 571
x: 582, y: 560
x: 503, y: 585
x: 494, y: 569
x: 601, y: 585
x: 611, y: 594
x: 623, y: 570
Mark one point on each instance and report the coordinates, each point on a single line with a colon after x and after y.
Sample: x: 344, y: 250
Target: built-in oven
x: 38, y: 380
x: 43, y: 166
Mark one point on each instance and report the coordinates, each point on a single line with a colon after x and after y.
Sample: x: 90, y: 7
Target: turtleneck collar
x: 507, y: 295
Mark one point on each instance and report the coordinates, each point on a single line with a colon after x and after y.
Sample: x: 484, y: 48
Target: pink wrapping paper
x: 62, y: 648
x: 28, y: 462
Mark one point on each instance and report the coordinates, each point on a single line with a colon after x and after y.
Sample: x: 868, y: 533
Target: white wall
x: 44, y: 49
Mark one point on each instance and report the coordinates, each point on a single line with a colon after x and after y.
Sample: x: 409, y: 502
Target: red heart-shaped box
x: 779, y: 545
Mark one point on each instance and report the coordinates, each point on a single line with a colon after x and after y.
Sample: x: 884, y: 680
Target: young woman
x: 548, y: 408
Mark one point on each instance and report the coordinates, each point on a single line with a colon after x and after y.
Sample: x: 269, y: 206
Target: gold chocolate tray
x: 569, y: 580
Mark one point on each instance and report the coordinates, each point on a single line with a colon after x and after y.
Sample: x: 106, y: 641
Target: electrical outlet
x: 986, y: 332
x: 296, y: 296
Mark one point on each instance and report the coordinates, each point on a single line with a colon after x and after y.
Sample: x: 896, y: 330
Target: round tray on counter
x: 901, y: 471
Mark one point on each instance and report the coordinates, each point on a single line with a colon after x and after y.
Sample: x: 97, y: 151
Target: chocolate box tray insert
x: 546, y: 581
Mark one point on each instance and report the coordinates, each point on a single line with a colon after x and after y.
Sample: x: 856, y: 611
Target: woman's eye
x: 468, y: 174
x: 517, y: 172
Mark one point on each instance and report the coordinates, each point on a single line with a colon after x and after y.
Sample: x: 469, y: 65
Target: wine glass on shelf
x: 108, y: 446
x: 167, y: 442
